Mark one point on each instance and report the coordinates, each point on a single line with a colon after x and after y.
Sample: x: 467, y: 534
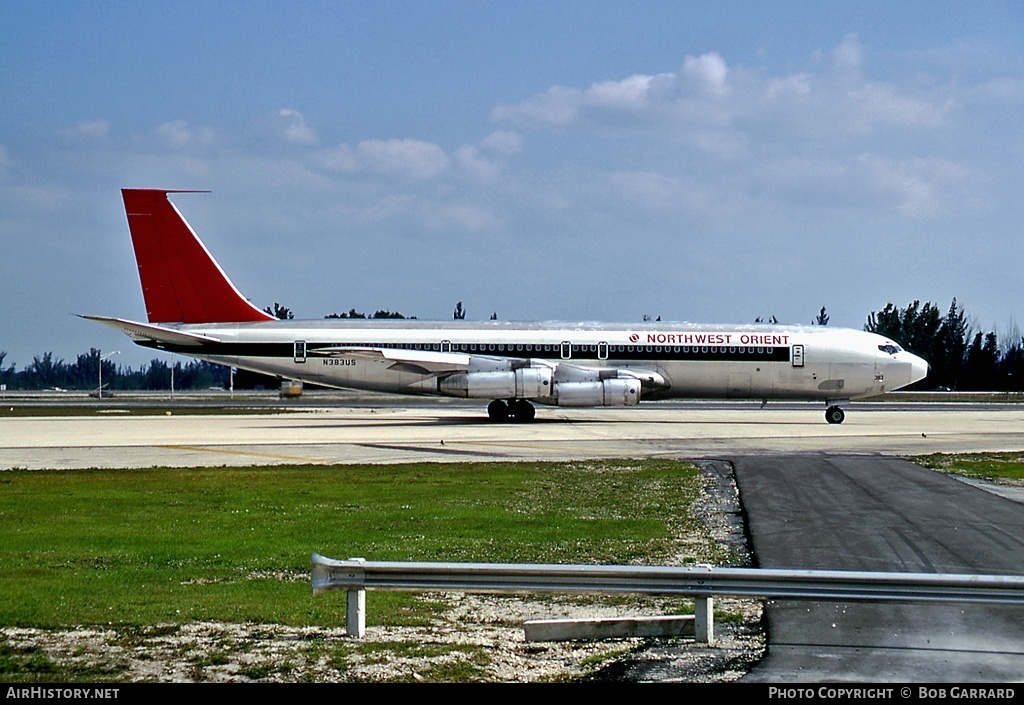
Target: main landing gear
x: 835, y: 414
x: 517, y: 410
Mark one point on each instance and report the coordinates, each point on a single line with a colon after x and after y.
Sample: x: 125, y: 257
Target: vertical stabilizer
x: 181, y: 282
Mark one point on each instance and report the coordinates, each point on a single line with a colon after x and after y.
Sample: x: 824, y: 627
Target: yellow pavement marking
x: 275, y: 456
x: 520, y: 445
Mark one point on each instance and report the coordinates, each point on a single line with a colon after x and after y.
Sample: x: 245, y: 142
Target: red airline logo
x: 767, y: 339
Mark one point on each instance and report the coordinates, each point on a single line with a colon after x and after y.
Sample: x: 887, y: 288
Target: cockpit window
x: 890, y: 348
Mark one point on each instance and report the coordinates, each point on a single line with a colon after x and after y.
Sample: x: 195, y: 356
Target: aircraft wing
x: 147, y: 331
x: 419, y: 361
x: 429, y: 362
x: 649, y: 378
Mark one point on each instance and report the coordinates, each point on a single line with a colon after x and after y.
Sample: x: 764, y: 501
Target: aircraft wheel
x: 497, y: 411
x: 835, y: 415
x: 522, y: 411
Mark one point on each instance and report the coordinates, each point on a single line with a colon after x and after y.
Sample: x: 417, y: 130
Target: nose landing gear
x: 835, y: 415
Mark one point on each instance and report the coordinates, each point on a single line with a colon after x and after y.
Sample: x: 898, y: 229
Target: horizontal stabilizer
x: 146, y: 331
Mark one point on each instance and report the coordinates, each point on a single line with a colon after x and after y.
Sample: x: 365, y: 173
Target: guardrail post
x: 355, y: 616
x: 704, y: 620
x: 355, y: 612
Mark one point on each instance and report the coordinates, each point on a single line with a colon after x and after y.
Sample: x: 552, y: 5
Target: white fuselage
x: 671, y: 360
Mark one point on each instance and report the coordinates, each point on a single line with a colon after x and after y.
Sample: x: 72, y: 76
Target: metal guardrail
x: 357, y: 575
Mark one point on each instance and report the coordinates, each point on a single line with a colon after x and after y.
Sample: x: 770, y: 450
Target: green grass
x: 31, y: 664
x: 171, y: 546
x: 995, y: 467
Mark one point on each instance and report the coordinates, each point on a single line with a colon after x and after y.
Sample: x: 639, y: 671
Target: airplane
x: 193, y: 309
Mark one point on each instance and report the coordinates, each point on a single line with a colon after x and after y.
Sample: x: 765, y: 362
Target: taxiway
x: 399, y: 433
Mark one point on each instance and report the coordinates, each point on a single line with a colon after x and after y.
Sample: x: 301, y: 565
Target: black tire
x: 497, y: 411
x: 835, y: 415
x: 522, y: 411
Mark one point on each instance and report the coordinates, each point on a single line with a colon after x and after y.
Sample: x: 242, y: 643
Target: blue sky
x: 710, y: 162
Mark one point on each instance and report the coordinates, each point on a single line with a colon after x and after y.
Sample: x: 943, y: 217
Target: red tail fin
x: 181, y: 282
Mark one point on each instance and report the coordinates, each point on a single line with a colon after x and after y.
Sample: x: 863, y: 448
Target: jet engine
x: 606, y: 392
x: 524, y: 383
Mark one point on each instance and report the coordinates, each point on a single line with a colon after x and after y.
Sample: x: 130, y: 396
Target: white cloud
x: 643, y: 96
x: 389, y: 207
x: 921, y: 187
x: 476, y: 165
x: 180, y: 134
x: 720, y: 109
x: 881, y: 104
x: 404, y: 158
x: 293, y: 127
x: 849, y: 55
x: 628, y: 94
x: 557, y: 106
x: 1004, y: 89
x: 485, y: 161
x: 421, y: 212
x: 796, y: 85
x: 708, y: 69
x: 93, y: 130
x: 503, y: 142
x: 468, y: 217
x: 649, y: 189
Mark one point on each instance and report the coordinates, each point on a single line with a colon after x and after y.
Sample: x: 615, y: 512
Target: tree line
x: 45, y: 372
x: 960, y: 356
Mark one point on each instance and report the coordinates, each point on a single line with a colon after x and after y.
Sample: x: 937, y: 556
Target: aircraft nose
x: 919, y: 368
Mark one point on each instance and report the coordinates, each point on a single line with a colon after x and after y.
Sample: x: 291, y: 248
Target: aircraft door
x: 739, y: 386
x: 300, y: 351
x: 798, y: 356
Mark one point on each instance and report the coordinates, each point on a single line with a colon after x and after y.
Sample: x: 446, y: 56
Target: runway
x: 395, y: 432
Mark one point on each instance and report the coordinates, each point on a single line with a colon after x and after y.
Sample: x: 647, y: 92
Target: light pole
x: 99, y: 390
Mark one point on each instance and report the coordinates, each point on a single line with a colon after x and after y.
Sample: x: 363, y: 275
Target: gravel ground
x: 465, y: 647
x: 480, y: 638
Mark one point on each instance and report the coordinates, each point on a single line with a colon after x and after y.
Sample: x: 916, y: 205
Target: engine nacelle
x: 608, y: 392
x: 524, y: 383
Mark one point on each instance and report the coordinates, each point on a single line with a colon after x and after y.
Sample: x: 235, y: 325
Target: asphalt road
x: 877, y: 513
